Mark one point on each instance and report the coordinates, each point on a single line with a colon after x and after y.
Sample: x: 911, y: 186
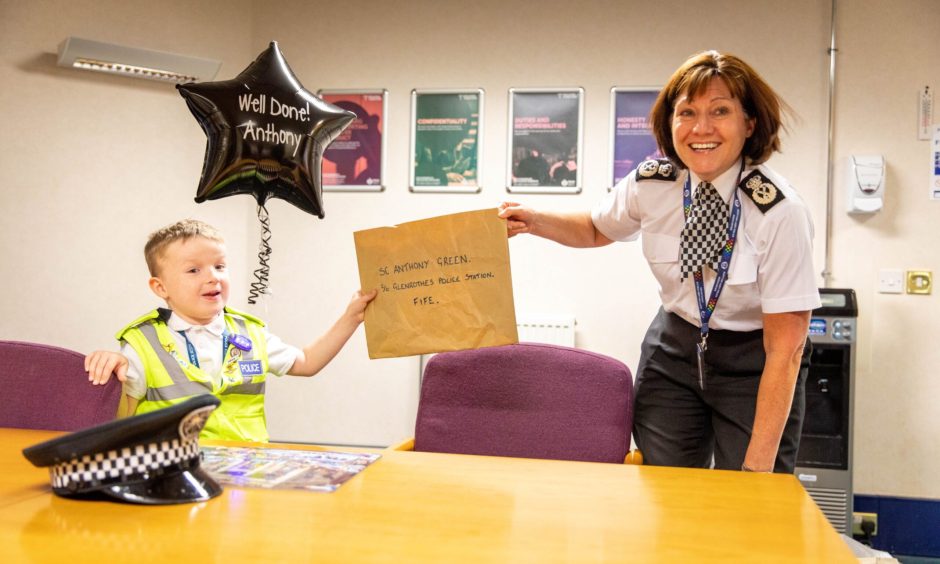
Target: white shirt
x: 771, y: 269
x: 207, y: 340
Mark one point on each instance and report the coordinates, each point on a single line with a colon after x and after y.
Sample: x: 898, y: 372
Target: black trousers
x: 677, y: 423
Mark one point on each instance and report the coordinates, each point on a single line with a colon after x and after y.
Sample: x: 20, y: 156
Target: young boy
x: 200, y: 346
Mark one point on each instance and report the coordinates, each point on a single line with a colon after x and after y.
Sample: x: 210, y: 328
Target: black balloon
x: 265, y: 134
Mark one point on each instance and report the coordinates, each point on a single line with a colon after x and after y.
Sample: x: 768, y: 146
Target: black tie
x: 705, y: 231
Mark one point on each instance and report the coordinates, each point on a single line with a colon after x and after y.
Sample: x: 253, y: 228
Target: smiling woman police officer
x: 724, y: 363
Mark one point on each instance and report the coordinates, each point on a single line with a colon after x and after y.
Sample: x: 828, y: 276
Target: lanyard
x: 706, y: 309
x: 191, y: 350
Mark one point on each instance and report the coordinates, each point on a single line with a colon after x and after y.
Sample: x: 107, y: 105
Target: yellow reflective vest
x: 172, y: 378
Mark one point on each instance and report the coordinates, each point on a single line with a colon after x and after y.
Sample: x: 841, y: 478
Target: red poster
x: 355, y: 160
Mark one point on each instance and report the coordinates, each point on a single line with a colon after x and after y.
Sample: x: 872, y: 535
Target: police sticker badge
x: 656, y: 169
x: 250, y: 367
x: 761, y: 190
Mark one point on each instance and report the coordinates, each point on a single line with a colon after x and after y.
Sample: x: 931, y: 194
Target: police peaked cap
x: 152, y: 458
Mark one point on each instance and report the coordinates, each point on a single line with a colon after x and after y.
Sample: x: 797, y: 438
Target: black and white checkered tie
x: 705, y: 231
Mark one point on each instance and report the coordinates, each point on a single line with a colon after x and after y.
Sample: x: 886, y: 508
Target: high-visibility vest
x: 172, y: 378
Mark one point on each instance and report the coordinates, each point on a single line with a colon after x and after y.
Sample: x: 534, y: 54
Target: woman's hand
x: 573, y: 229
x: 784, y: 337
x: 519, y: 218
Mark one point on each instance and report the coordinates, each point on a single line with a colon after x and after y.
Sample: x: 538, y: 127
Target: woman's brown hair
x: 757, y: 98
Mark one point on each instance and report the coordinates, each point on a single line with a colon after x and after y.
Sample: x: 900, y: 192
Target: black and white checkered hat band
x: 122, y: 465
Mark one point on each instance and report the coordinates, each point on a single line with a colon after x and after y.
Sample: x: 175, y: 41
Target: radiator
x: 554, y: 330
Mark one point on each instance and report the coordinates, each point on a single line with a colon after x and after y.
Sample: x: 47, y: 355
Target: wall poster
x: 446, y: 140
x: 935, y: 165
x: 631, y: 140
x: 545, y: 140
x: 355, y: 161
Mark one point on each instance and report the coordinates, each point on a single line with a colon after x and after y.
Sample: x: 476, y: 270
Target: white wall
x: 888, y: 53
x: 93, y: 164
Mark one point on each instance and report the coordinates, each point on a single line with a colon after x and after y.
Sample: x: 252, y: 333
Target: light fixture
x: 79, y: 53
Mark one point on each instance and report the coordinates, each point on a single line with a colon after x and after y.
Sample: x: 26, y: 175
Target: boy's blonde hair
x: 183, y: 230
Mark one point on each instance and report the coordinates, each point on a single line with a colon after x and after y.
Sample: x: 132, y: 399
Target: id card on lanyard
x: 706, y: 309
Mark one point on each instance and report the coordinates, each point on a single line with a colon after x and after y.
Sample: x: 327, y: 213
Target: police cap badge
x: 152, y: 458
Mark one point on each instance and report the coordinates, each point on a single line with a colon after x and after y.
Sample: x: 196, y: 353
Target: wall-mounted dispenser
x: 866, y: 183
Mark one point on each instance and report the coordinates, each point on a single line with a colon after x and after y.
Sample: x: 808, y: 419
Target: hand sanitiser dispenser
x: 866, y: 183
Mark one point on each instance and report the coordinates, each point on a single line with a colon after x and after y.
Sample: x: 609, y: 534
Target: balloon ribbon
x: 260, y: 286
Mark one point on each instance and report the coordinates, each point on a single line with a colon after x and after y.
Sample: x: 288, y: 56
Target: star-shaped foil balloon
x: 265, y: 134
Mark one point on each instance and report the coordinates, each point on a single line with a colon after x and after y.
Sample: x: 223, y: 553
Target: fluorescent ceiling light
x: 86, y: 54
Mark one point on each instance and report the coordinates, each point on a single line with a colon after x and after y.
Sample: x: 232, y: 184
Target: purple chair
x: 526, y: 400
x: 46, y: 387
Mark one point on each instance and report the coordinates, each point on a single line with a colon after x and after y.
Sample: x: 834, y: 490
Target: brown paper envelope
x: 444, y: 285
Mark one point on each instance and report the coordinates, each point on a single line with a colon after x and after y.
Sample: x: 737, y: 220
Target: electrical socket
x: 891, y: 281
x: 858, y: 518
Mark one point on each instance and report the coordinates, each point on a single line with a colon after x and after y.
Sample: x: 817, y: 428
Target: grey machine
x: 824, y: 460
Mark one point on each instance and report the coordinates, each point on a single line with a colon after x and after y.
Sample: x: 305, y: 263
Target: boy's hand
x: 101, y: 364
x: 357, y: 306
x: 317, y: 354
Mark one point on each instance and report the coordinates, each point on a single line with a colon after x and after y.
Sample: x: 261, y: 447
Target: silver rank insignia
x: 657, y: 169
x: 761, y: 190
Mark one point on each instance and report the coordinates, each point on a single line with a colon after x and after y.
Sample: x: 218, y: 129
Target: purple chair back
x: 46, y: 387
x: 526, y: 400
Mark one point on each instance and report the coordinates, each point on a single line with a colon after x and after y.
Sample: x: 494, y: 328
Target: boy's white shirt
x: 207, y: 340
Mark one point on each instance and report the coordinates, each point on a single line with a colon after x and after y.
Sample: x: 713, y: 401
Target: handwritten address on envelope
x: 444, y: 284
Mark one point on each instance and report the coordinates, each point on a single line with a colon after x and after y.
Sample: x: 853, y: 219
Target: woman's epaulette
x: 761, y: 190
x: 657, y: 169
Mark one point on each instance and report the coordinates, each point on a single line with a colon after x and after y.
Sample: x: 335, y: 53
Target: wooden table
x: 427, y: 507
